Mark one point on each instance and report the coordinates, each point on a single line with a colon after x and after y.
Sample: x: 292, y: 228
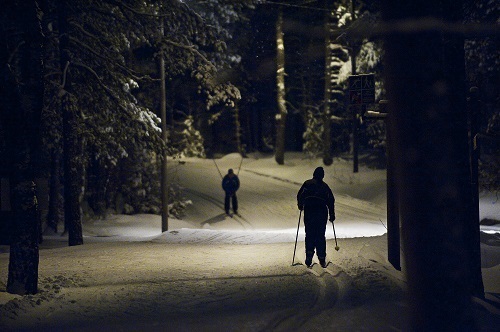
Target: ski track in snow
x: 112, y: 291
x: 333, y: 286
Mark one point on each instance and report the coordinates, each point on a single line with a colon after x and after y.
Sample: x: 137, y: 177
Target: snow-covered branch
x: 193, y: 50
x: 108, y: 60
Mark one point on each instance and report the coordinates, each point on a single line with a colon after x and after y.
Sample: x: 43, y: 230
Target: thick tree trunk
x: 73, y: 150
x: 280, y: 90
x: 73, y: 168
x: 425, y: 84
x: 24, y: 252
x: 53, y: 119
x: 26, y: 78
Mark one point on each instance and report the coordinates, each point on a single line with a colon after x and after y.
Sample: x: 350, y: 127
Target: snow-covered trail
x: 211, y: 273
x: 154, y: 286
x: 267, y: 199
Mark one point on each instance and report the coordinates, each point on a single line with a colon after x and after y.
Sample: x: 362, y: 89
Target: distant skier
x: 230, y: 184
x: 316, y: 199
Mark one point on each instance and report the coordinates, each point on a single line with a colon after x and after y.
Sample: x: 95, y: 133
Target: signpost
x: 362, y: 89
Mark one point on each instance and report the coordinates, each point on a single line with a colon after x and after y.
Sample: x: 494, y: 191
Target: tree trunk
x: 56, y: 202
x: 73, y: 169
x: 353, y: 50
x: 425, y: 78
x: 335, y: 56
x: 164, y: 136
x: 53, y: 118
x: 73, y: 149
x: 327, y: 137
x: 237, y: 129
x: 26, y: 84
x: 280, y: 90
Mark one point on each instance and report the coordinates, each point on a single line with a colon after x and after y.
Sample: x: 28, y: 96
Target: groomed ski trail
x: 332, y: 285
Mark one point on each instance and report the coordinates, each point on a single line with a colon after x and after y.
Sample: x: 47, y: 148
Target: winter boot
x: 309, y: 258
x: 322, y: 261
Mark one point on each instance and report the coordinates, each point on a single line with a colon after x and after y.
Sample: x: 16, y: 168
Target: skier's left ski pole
x: 335, y: 236
x: 296, y: 237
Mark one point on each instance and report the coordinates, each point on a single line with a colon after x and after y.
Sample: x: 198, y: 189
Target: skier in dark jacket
x: 230, y: 184
x: 316, y: 199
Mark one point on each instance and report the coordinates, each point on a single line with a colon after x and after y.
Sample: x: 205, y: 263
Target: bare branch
x: 83, y: 30
x: 65, y: 72
x: 15, y: 51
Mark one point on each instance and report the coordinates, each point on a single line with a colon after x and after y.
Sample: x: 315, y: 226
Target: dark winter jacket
x: 230, y: 183
x: 315, y: 192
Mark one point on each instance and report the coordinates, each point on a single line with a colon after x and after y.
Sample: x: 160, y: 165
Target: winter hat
x: 319, y: 173
x: 230, y: 171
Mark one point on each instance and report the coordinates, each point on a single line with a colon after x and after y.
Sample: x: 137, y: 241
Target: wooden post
x: 393, y: 240
x: 425, y: 82
x: 355, y: 138
x: 393, y: 221
x: 474, y: 111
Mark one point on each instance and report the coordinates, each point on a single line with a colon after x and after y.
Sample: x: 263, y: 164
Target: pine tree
x: 335, y: 57
x: 280, y: 88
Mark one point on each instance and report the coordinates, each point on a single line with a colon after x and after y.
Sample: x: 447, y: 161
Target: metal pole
x: 335, y: 236
x: 217, y: 168
x: 296, y: 237
x: 239, y: 168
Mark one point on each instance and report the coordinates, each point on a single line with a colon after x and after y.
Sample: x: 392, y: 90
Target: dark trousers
x: 234, y: 200
x: 315, y: 219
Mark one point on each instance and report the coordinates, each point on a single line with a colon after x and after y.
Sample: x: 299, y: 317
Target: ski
x: 315, y: 268
x: 333, y: 269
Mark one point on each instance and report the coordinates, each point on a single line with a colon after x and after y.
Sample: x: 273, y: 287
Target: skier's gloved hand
x: 301, y: 207
x: 332, y: 218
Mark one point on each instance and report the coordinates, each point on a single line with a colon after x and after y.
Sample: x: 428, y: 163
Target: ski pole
x: 296, y: 237
x: 335, y: 236
x: 239, y: 168
x: 217, y: 168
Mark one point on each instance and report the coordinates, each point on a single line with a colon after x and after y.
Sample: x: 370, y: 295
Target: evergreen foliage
x: 115, y: 91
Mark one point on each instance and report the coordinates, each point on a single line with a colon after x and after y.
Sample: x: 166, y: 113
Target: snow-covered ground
x: 211, y: 272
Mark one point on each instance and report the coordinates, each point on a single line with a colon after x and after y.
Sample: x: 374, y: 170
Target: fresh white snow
x: 213, y: 273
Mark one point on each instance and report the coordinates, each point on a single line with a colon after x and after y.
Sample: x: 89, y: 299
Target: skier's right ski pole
x: 335, y: 236
x: 296, y: 237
